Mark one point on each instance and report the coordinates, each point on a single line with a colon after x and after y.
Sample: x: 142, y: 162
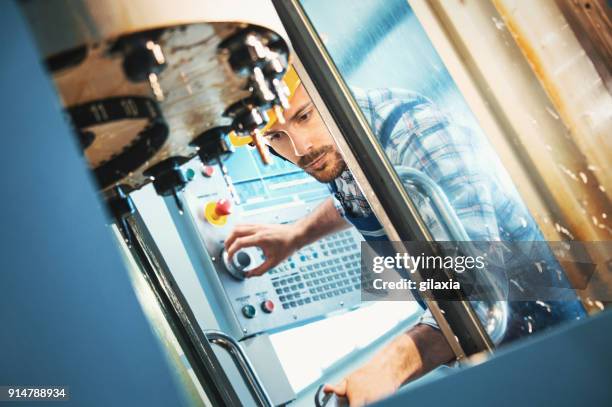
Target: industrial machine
x: 167, y: 105
x: 174, y: 97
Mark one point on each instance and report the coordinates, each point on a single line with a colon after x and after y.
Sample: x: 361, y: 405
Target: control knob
x: 236, y: 266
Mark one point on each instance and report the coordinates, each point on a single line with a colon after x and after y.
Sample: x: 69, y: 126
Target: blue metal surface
x: 68, y: 313
x: 571, y: 366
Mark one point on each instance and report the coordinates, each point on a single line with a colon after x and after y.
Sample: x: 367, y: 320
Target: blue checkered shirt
x: 423, y: 138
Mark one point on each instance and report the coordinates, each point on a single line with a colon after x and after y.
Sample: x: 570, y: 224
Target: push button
x: 189, y: 174
x: 208, y: 171
x: 216, y: 213
x: 249, y: 311
x: 267, y: 306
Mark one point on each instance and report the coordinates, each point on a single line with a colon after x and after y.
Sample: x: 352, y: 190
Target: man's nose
x: 301, y: 144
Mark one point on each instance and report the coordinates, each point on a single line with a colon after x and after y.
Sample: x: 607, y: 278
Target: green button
x: 189, y: 174
x: 249, y: 311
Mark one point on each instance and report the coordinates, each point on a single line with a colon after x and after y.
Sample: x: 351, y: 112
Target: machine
x: 317, y: 280
x: 173, y: 98
x: 168, y: 104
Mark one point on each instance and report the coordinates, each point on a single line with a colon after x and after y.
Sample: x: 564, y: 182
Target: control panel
x: 318, y: 279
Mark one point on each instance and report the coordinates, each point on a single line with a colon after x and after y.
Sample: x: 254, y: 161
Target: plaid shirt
x: 350, y: 196
x: 424, y: 139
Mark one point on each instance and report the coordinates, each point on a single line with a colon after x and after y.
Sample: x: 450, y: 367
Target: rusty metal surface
x: 591, y: 21
x: 197, y: 86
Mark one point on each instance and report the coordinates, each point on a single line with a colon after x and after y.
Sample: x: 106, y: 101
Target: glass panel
x: 441, y: 153
x: 538, y: 72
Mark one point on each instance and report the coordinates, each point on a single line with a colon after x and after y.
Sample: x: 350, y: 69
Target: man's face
x: 305, y: 141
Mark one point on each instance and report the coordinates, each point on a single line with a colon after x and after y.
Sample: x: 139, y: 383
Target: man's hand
x: 276, y: 241
x: 279, y: 241
x: 409, y: 356
x: 367, y: 384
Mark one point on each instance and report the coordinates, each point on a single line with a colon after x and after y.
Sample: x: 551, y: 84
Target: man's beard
x: 334, y: 166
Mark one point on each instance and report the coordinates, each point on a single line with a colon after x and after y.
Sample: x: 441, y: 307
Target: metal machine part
x: 152, y: 132
x: 494, y: 314
x: 237, y: 266
x: 247, y: 119
x: 213, y: 145
x: 121, y: 207
x: 264, y: 60
x: 323, y: 399
x: 143, y: 58
x: 262, y: 57
x: 187, y: 331
x: 168, y: 178
x: 262, y: 354
x: 145, y: 97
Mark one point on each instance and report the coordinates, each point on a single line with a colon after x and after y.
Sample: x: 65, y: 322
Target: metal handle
x: 323, y: 399
x: 242, y: 363
x: 498, y: 317
x: 439, y: 200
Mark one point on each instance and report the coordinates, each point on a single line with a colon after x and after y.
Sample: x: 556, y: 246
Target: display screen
x: 266, y: 185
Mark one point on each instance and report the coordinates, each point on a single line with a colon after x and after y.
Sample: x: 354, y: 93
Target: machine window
x: 447, y: 164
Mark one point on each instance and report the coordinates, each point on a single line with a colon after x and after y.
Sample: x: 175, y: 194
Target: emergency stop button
x: 249, y: 311
x: 217, y: 212
x: 267, y: 306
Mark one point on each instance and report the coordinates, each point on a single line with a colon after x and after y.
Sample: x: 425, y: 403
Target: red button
x: 267, y: 306
x: 208, y: 171
x: 223, y: 207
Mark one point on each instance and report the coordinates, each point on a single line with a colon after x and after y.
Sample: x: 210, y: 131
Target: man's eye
x: 304, y: 116
x: 273, y: 136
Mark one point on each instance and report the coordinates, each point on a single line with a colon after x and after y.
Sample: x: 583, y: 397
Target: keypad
x: 324, y: 270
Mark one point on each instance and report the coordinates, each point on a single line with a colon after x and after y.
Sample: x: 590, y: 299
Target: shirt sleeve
x: 339, y: 207
x: 425, y: 139
x: 428, y: 319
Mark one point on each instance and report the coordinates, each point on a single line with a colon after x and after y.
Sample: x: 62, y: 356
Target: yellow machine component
x: 239, y: 141
x: 292, y: 80
x: 216, y: 213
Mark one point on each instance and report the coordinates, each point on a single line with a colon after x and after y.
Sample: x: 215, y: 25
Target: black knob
x: 213, y: 144
x: 168, y: 175
x: 243, y: 259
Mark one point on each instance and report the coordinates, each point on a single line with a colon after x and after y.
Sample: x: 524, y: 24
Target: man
x: 414, y: 134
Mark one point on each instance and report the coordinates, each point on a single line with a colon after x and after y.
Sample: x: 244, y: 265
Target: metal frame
x: 405, y: 223
x: 240, y: 358
x: 202, y: 262
x: 177, y: 312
